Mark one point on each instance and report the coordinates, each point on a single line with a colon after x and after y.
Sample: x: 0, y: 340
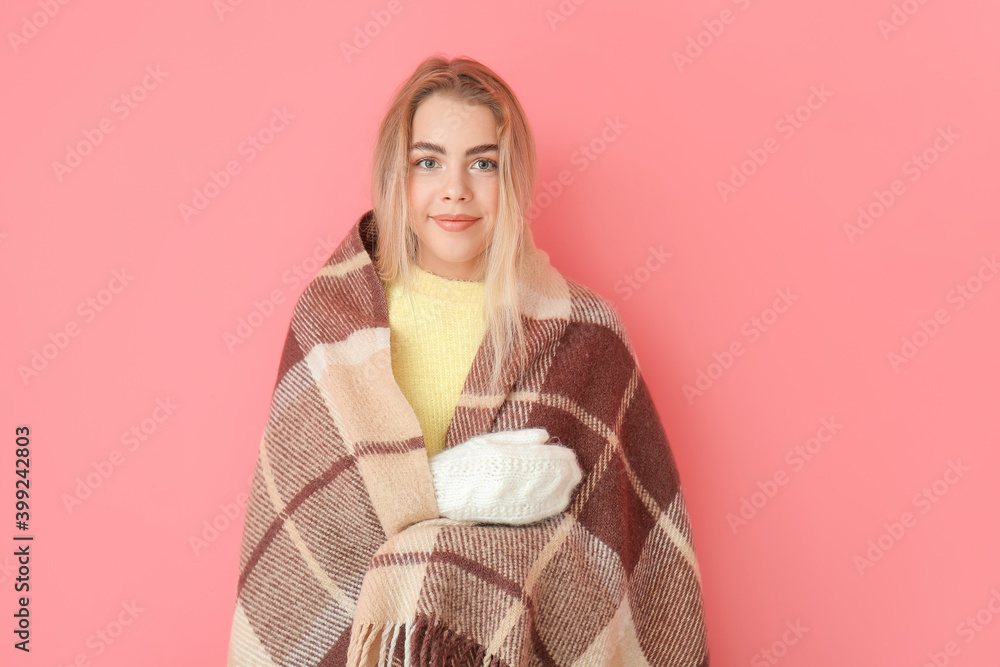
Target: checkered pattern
x: 345, y: 559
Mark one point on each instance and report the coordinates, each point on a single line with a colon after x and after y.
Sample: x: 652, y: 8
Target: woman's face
x: 453, y: 173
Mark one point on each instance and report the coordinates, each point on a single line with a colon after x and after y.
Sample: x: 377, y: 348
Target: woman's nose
x: 456, y: 187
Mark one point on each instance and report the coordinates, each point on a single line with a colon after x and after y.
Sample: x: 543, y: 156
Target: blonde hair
x: 466, y: 80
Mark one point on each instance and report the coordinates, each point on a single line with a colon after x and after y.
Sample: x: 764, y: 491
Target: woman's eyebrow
x: 437, y: 148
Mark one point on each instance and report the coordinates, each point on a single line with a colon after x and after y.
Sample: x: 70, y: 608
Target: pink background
x: 684, y: 126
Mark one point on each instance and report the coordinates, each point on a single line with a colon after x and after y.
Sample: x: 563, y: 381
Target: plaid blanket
x: 345, y: 559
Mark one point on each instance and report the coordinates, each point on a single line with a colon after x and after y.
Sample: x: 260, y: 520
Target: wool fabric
x: 346, y: 559
x: 433, y: 339
x: 512, y: 477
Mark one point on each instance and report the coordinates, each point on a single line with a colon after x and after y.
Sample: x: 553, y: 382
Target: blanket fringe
x: 426, y: 643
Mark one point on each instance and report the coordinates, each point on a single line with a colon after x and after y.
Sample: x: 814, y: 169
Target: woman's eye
x: 482, y: 164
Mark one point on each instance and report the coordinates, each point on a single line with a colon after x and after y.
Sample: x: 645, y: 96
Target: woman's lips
x: 452, y: 225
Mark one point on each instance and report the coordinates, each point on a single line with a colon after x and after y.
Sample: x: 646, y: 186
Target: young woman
x: 462, y: 463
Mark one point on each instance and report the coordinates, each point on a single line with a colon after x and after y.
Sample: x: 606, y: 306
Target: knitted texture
x: 346, y: 559
x: 433, y: 340
x: 512, y: 477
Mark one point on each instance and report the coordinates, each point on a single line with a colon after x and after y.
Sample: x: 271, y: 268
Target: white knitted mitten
x: 512, y: 477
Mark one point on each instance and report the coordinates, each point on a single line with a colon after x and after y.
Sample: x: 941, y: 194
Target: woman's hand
x: 511, y: 477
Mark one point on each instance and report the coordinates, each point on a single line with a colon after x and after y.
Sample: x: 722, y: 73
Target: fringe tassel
x: 426, y: 643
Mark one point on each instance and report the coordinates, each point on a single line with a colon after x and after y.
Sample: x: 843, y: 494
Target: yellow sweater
x: 433, y: 345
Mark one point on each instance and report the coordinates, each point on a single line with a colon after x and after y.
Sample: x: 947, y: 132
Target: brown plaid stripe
x: 345, y: 560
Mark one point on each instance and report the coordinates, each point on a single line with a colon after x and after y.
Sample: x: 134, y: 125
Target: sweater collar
x: 439, y: 288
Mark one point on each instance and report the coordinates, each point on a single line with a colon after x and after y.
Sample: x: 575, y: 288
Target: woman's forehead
x: 445, y: 121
